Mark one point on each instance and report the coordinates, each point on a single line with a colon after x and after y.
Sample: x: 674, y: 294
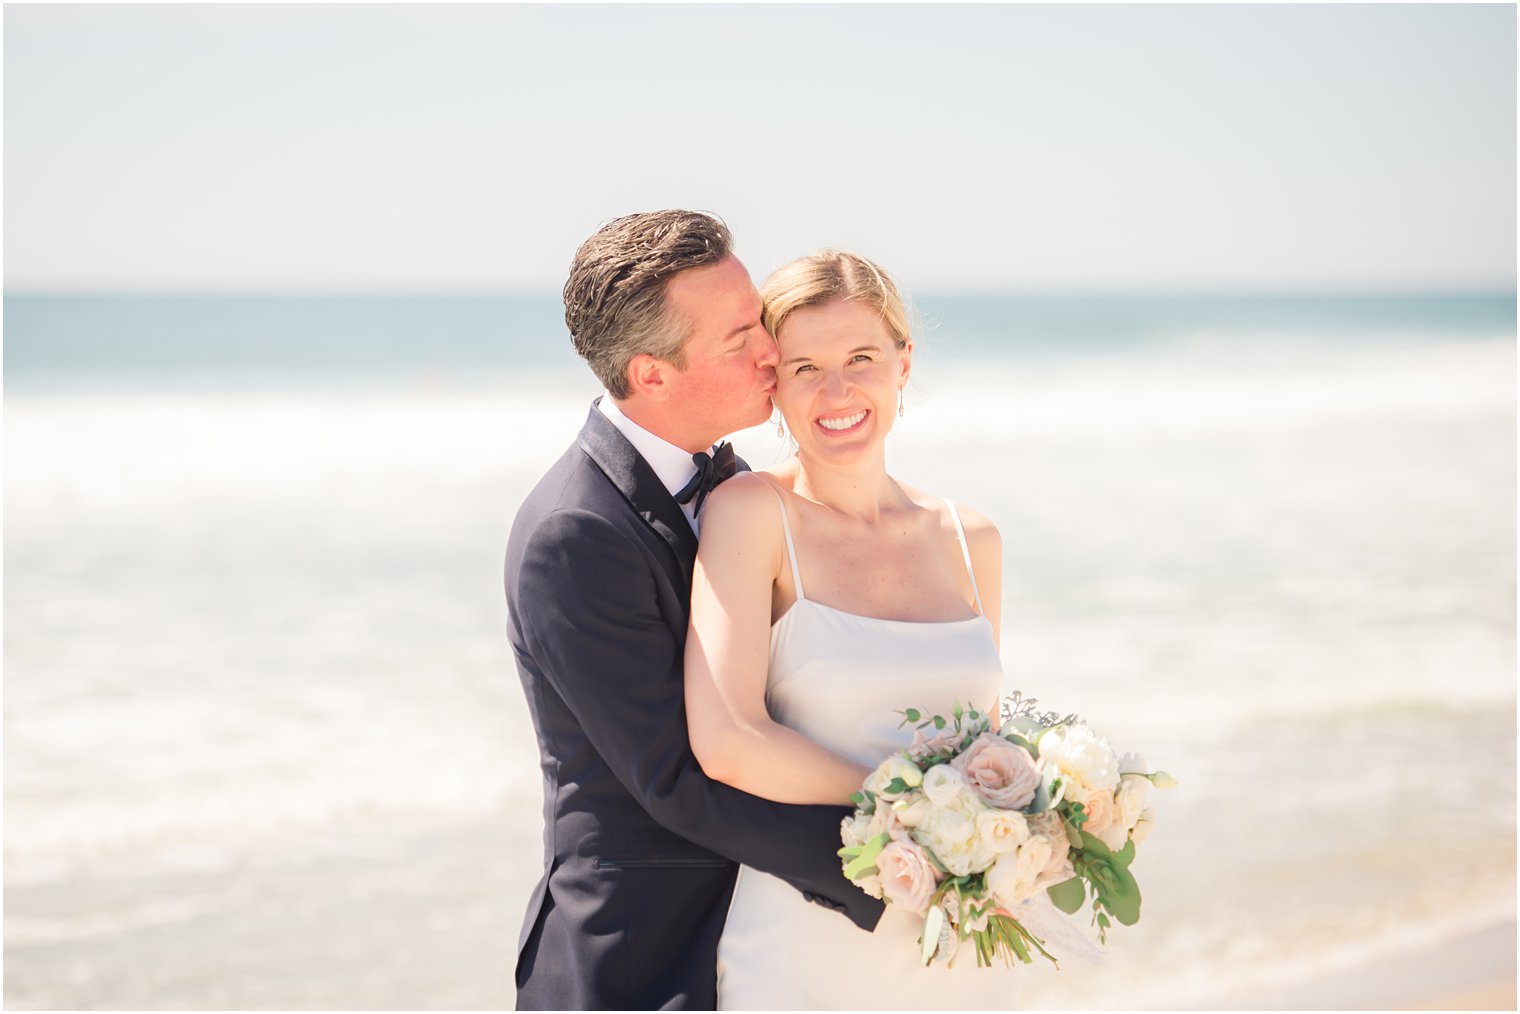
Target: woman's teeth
x: 843, y: 423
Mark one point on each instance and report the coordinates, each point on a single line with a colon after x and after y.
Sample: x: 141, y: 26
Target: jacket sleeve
x: 587, y: 609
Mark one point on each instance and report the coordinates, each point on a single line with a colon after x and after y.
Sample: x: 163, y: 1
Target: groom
x: 639, y: 846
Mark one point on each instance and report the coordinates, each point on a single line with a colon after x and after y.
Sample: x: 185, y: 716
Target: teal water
x: 53, y: 339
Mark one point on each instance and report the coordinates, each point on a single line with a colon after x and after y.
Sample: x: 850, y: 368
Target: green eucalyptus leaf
x: 1072, y: 835
x: 1068, y: 895
x: 1093, y: 846
x: 1020, y: 741
x: 1124, y: 898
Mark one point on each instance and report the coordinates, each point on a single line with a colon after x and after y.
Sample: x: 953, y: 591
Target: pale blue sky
x: 1014, y: 148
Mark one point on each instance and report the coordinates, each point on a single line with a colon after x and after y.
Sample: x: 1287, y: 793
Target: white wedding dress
x: 841, y: 680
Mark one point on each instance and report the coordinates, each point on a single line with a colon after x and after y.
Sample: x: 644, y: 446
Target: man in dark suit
x: 640, y: 848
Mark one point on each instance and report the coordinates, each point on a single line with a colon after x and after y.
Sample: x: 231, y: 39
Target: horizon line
x: 1094, y: 292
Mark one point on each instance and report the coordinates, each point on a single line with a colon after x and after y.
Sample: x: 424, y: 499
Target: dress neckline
x: 878, y: 619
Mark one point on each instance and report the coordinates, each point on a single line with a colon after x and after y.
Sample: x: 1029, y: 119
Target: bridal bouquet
x: 967, y: 826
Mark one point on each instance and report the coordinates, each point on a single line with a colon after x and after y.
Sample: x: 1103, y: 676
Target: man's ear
x: 647, y: 376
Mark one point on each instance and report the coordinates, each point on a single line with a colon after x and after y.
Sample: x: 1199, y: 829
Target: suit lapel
x: 644, y: 491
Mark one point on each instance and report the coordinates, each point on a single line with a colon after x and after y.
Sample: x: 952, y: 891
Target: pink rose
x: 1005, y: 775
x: 907, y: 877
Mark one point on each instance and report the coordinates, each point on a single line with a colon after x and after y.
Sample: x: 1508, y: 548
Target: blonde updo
x: 822, y: 278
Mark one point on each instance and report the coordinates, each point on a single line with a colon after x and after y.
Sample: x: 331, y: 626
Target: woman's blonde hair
x: 823, y: 277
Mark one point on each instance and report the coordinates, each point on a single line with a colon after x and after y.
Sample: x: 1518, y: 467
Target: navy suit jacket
x: 640, y: 847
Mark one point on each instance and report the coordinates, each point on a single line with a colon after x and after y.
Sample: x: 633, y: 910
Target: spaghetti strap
x: 960, y: 533
x: 791, y: 550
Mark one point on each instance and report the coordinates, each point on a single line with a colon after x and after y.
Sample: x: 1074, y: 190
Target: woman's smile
x: 841, y: 424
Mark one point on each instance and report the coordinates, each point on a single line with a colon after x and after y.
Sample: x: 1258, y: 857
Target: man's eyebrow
x: 741, y: 329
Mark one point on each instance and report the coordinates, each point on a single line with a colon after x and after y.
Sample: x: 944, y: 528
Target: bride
x: 828, y: 597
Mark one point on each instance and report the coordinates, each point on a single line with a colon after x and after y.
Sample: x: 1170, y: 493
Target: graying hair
x: 615, y: 303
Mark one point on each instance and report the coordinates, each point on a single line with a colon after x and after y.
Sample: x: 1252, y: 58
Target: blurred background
x: 1218, y: 312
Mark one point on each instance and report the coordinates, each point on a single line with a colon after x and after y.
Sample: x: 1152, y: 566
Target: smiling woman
x: 826, y: 598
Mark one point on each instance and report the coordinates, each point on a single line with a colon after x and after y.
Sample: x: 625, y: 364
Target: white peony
x: 951, y: 833
x: 1081, y: 755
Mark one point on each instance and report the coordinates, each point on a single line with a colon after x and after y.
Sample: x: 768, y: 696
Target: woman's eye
x: 804, y: 366
x: 862, y: 358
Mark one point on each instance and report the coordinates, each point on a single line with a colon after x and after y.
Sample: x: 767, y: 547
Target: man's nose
x: 767, y: 355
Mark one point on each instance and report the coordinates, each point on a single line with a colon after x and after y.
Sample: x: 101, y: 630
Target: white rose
x: 913, y: 810
x: 1130, y: 798
x: 877, y: 780
x: 1014, y: 877
x: 1002, y: 830
x: 894, y: 767
x: 1033, y: 856
x: 1132, y: 763
x: 944, y: 785
x: 1003, y: 881
x: 1082, y: 755
x: 1143, y: 826
x: 853, y: 830
x: 900, y: 767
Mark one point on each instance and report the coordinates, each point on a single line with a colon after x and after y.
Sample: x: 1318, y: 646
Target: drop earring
x: 899, y: 402
x: 780, y: 426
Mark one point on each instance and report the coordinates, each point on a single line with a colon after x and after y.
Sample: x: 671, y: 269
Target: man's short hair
x: 615, y: 303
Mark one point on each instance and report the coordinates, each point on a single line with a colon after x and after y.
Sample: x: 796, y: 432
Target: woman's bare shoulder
x: 981, y: 533
x: 978, y: 526
x: 741, y: 503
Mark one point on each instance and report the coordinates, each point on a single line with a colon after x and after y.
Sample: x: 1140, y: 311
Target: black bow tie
x: 711, y: 470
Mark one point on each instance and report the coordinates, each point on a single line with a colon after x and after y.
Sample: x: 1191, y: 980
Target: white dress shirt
x: 672, y: 465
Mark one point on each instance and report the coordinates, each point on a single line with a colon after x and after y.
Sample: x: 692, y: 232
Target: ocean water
x: 265, y: 747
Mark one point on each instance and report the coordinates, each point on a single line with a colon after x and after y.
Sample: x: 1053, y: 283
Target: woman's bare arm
x: 728, y: 652
x: 986, y: 546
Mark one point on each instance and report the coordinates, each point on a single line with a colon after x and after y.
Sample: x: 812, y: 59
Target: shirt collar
x: 671, y: 464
